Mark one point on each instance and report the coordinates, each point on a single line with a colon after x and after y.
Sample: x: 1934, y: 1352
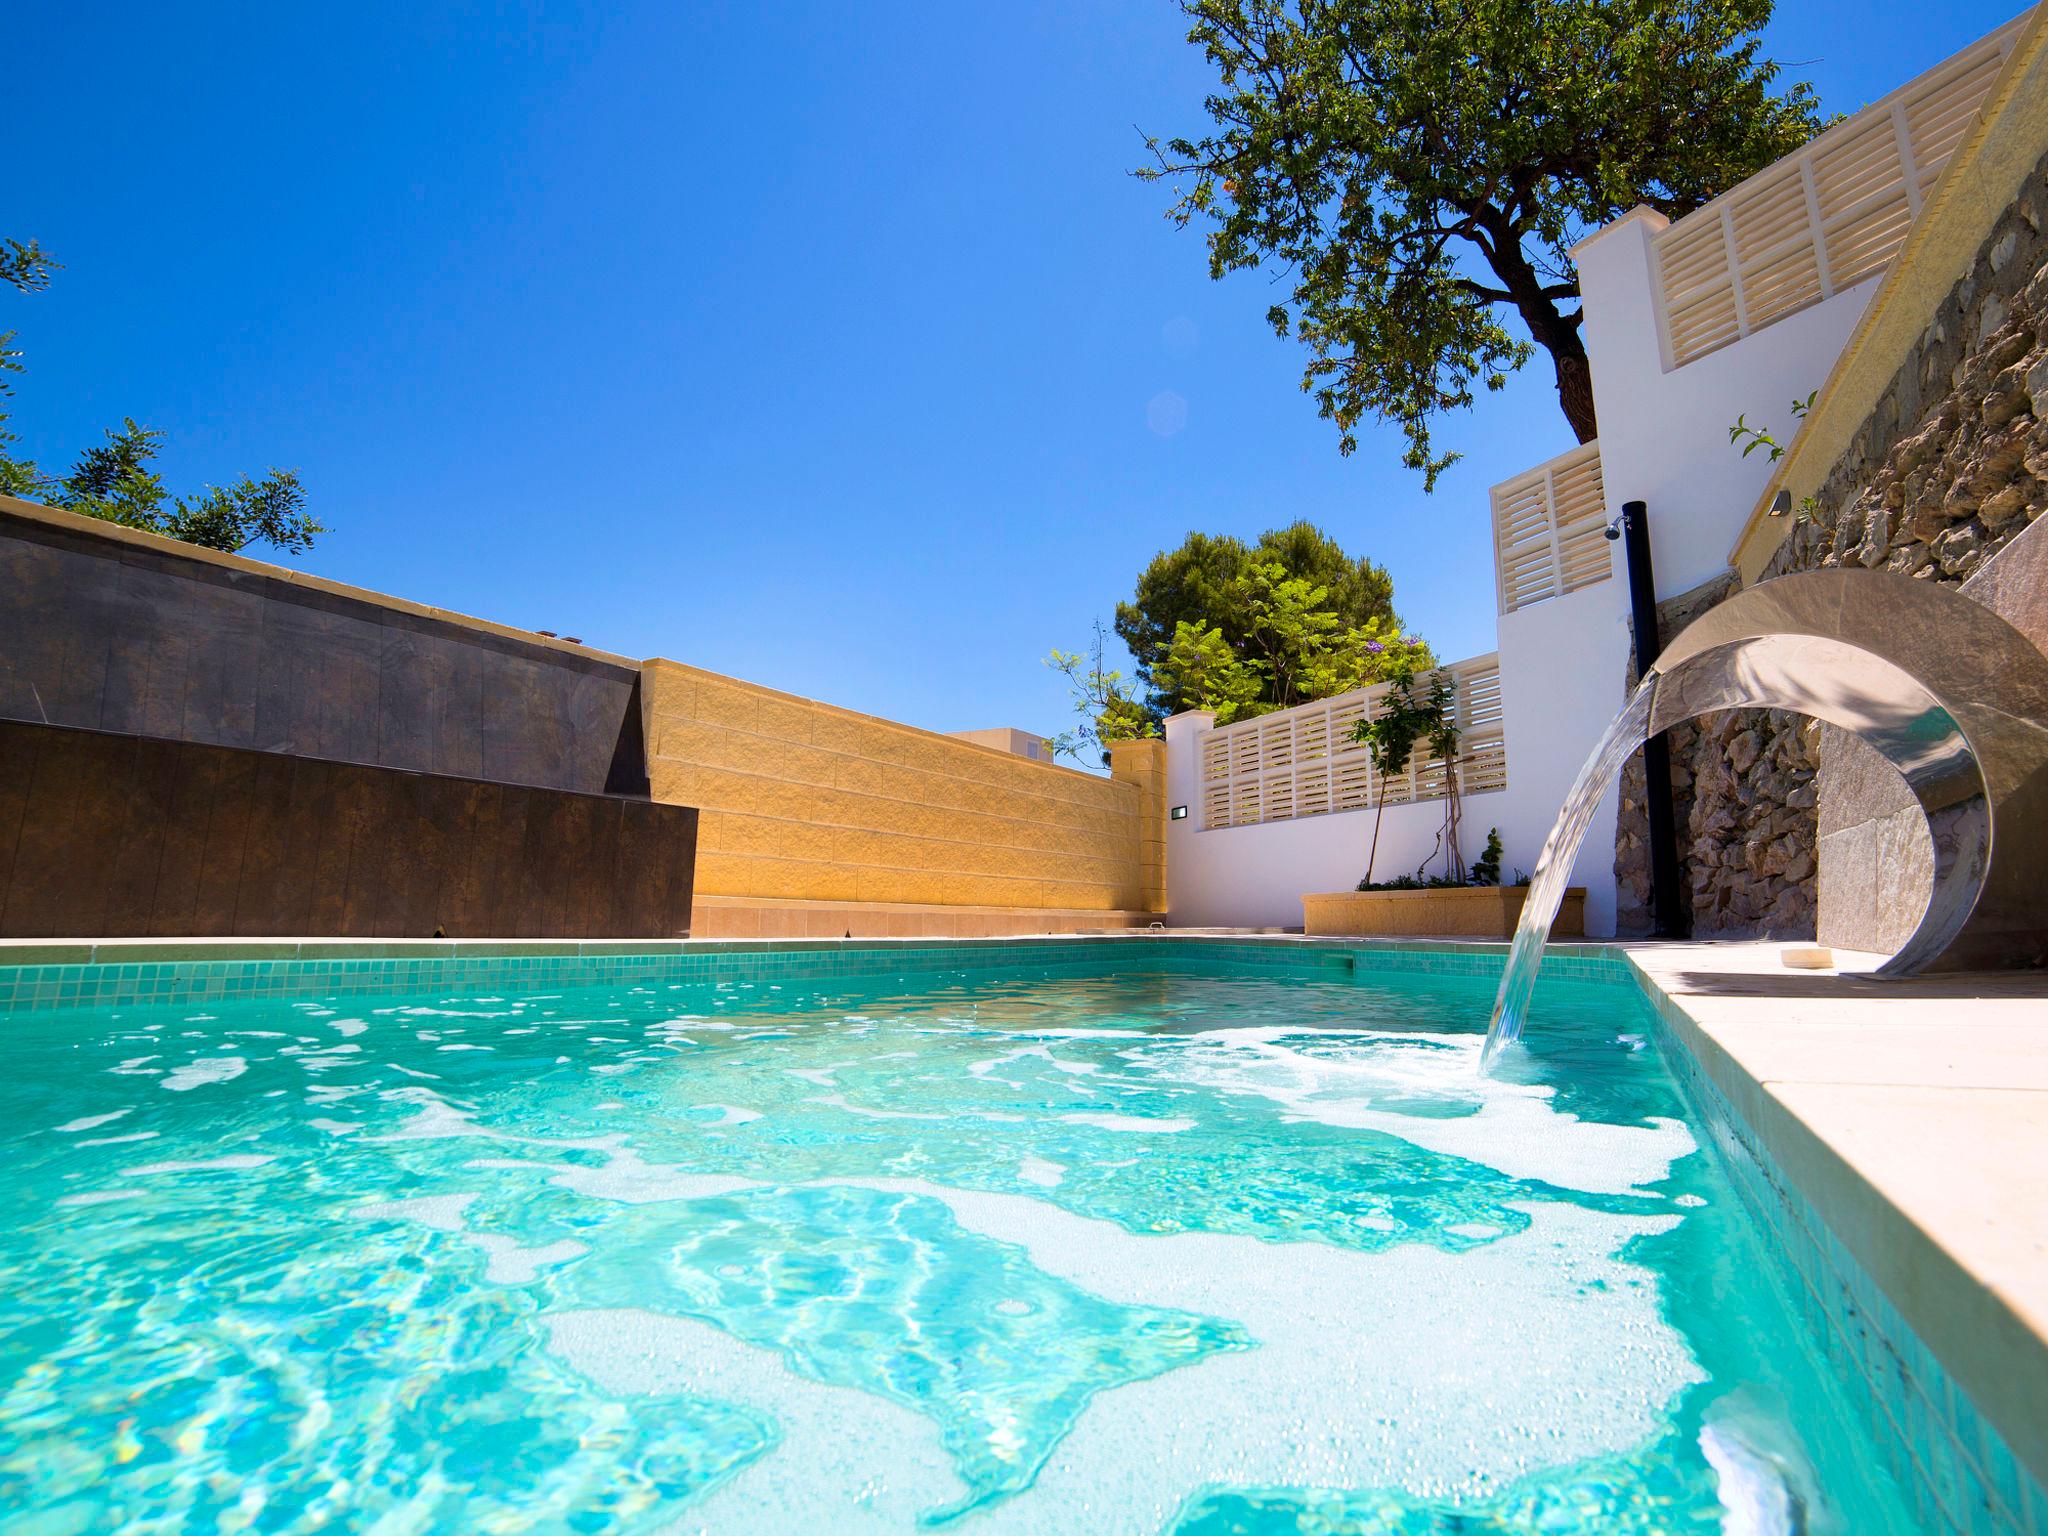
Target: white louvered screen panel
x: 1302, y: 761
x: 1549, y: 529
x: 1312, y: 790
x: 1483, y: 748
x: 1825, y: 218
x: 1244, y: 802
x: 1216, y: 805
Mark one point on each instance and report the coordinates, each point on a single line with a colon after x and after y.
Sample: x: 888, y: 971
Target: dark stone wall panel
x: 106, y: 835
x: 106, y: 635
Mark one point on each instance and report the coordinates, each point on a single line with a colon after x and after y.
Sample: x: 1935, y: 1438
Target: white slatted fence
x: 1302, y: 761
x: 1549, y: 529
x: 1823, y: 219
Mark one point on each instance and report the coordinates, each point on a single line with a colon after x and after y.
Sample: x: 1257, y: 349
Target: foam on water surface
x: 1428, y: 1091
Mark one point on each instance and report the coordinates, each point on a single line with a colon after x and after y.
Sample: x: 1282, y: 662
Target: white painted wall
x: 1663, y: 441
x: 1664, y: 436
x: 1255, y: 877
x: 1562, y: 667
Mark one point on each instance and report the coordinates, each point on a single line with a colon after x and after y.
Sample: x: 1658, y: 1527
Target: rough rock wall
x: 1951, y: 465
x: 1953, y: 462
x: 1743, y: 793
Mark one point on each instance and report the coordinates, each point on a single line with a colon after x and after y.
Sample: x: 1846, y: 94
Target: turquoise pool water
x: 1179, y: 1247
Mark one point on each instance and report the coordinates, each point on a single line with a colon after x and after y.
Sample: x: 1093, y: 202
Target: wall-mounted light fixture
x: 1781, y: 503
x: 1178, y: 813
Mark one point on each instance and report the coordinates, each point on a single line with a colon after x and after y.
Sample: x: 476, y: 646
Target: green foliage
x: 1753, y: 438
x: 114, y: 480
x: 1295, y: 649
x: 1486, y: 868
x: 26, y: 267
x: 1415, y: 883
x: 1104, y: 708
x: 1418, y: 170
x: 1244, y: 629
x: 1413, y: 710
x: 1202, y: 668
x: 17, y: 478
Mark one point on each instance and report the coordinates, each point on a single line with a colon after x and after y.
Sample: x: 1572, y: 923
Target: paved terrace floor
x: 1913, y: 1115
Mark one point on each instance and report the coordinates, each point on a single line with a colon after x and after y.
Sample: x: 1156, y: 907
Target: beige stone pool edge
x: 1911, y: 1116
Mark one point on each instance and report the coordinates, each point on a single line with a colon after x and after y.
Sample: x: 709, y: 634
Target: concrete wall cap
x: 1642, y: 213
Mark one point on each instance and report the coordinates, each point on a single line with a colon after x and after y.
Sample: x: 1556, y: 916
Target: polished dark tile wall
x: 110, y: 635
x: 115, y: 836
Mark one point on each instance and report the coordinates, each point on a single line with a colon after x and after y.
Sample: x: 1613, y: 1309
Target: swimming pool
x: 1128, y: 1241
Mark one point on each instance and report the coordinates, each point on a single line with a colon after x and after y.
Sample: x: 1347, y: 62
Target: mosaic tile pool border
x: 168, y: 982
x: 1961, y: 1476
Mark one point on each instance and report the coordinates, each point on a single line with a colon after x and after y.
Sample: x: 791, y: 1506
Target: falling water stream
x: 1554, y: 865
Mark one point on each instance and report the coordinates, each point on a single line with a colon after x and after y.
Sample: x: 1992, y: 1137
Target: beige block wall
x: 807, y: 801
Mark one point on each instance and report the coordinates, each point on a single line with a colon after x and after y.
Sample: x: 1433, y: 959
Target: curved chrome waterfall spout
x: 1953, y: 697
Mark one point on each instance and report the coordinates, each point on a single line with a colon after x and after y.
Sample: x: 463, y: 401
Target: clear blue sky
x: 812, y: 343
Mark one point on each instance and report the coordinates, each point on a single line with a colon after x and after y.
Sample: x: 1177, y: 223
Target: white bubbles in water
x: 1375, y: 1083
x: 204, y: 1070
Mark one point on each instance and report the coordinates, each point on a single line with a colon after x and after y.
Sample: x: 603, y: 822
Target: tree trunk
x: 1575, y: 386
x: 1550, y: 328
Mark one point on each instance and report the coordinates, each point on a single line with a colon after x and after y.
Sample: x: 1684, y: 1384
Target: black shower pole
x: 1642, y: 601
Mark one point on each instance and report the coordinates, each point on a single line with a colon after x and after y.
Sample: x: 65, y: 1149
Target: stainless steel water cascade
x: 1949, y: 693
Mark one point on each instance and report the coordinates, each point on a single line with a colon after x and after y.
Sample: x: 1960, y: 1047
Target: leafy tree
x: 1418, y: 170
x: 1206, y: 582
x: 1104, y: 708
x: 1293, y: 648
x: 27, y: 267
x: 114, y: 480
x: 1201, y: 668
x: 1413, y: 710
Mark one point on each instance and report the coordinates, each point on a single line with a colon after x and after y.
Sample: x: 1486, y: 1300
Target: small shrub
x: 1486, y: 868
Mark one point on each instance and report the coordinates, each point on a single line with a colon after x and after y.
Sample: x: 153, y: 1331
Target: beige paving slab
x: 1968, y: 1166
x: 1913, y: 1116
x: 1979, y: 1054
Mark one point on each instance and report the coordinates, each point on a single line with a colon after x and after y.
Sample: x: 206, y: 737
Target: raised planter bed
x: 1453, y: 912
